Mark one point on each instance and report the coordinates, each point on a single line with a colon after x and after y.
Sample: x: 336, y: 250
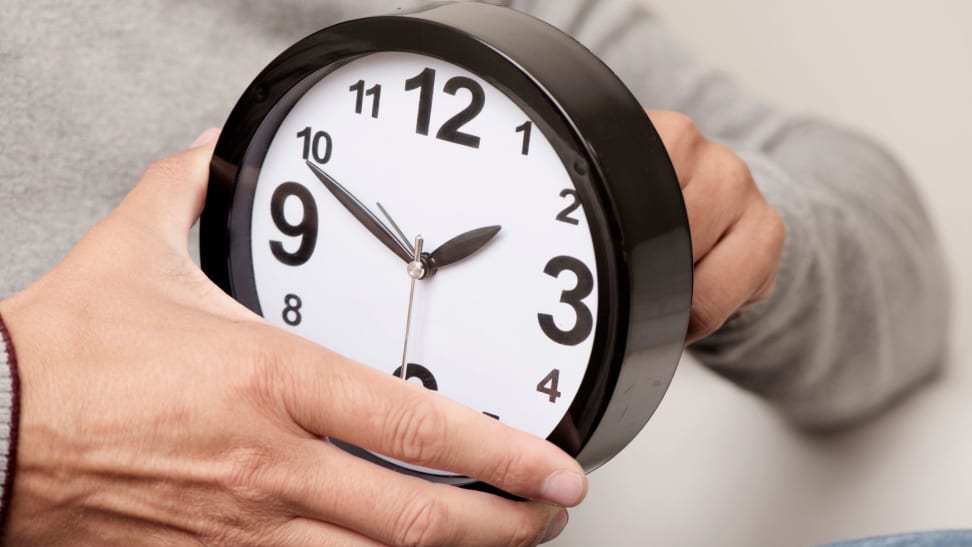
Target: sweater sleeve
x: 9, y: 406
x: 860, y: 312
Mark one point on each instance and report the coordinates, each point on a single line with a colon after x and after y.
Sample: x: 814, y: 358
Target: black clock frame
x: 624, y: 178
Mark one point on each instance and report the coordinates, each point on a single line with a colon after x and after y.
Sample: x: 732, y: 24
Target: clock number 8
x: 291, y: 313
x: 574, y: 298
x: 306, y: 229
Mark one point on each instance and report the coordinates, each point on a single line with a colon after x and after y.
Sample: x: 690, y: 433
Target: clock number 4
x: 306, y: 229
x: 450, y: 130
x: 584, y: 323
x: 548, y: 386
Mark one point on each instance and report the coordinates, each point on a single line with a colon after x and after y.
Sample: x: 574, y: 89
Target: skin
x: 737, y: 237
x: 155, y: 410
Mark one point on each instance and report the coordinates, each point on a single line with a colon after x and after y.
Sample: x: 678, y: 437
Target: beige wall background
x: 715, y: 466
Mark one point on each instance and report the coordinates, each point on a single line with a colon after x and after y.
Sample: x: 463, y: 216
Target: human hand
x: 155, y: 410
x: 737, y: 237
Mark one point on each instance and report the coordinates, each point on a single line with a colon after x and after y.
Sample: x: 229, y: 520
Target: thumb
x: 169, y: 197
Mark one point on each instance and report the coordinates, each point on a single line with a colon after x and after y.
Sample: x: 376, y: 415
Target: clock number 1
x: 527, y: 130
x: 574, y: 298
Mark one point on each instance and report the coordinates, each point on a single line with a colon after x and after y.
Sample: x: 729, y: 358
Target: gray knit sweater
x: 94, y: 90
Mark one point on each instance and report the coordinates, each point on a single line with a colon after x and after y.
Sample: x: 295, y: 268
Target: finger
x: 402, y: 510
x: 302, y: 532
x: 721, y: 189
x: 376, y: 411
x: 171, y: 193
x: 741, y: 269
x: 682, y: 140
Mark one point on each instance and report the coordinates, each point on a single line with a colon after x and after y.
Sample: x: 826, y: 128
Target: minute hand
x: 362, y: 213
x: 462, y: 246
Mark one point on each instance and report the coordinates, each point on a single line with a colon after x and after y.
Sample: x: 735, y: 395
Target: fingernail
x: 206, y: 138
x: 564, y: 488
x: 556, y: 526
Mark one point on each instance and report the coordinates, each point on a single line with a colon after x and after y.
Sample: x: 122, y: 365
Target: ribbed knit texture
x: 9, y: 411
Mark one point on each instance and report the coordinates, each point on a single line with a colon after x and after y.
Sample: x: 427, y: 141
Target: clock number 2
x: 306, y: 229
x: 450, y: 130
x: 584, y: 323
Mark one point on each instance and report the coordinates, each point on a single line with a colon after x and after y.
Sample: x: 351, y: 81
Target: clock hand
x: 398, y: 230
x: 462, y: 246
x: 362, y: 214
x: 416, y: 270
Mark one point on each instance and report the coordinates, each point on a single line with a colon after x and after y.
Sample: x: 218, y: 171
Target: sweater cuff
x: 9, y: 418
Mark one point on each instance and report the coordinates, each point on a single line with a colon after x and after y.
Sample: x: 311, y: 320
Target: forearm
x: 859, y: 312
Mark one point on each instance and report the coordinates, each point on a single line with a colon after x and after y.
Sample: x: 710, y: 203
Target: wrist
x: 9, y: 420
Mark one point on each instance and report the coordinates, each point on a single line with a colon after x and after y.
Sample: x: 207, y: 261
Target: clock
x: 468, y: 199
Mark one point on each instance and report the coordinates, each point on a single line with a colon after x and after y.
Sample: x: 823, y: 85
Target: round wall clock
x: 466, y: 198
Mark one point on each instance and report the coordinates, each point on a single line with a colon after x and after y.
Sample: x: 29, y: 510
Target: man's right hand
x: 155, y: 410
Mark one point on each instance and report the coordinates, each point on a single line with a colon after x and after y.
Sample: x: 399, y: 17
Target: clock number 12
x: 450, y: 130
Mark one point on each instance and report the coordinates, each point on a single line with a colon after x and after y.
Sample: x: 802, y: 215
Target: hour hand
x: 462, y: 246
x: 362, y: 214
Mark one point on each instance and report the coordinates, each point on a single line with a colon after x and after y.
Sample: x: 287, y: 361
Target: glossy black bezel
x: 618, y: 164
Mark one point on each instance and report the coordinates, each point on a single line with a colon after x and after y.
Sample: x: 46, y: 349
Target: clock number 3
x: 584, y: 323
x: 306, y: 229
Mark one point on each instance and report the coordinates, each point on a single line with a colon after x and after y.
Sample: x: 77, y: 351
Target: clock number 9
x: 574, y: 298
x: 306, y: 229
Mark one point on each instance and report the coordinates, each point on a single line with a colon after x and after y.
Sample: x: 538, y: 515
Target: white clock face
x: 507, y: 331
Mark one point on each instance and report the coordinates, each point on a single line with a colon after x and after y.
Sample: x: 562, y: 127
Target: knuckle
x: 735, y: 173
x: 423, y: 522
x: 679, y: 131
x: 250, y: 472
x: 508, y: 469
x: 268, y: 379
x: 419, y: 433
x: 527, y: 531
x: 704, y: 318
